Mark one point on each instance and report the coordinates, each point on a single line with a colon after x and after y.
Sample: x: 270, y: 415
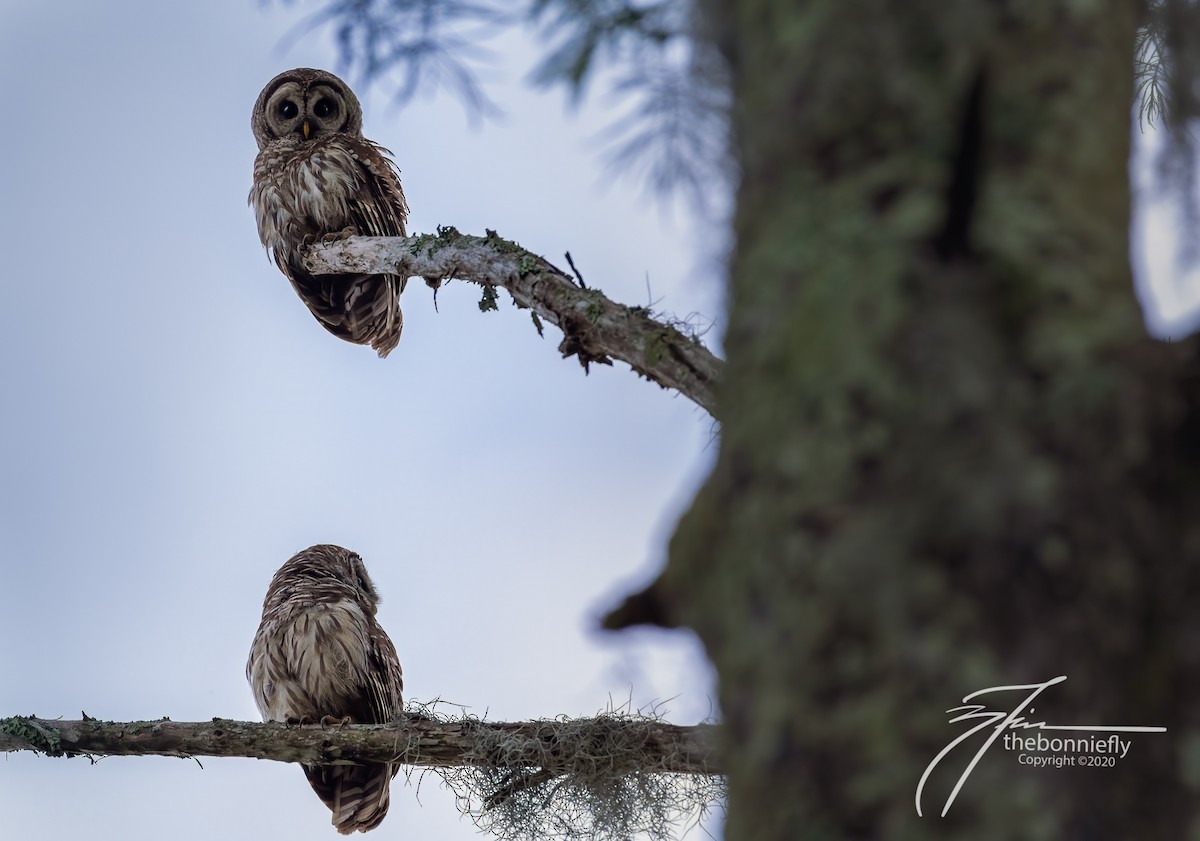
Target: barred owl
x: 320, y: 653
x: 316, y: 176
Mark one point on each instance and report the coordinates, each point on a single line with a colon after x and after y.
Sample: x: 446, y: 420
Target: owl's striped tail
x: 357, y: 795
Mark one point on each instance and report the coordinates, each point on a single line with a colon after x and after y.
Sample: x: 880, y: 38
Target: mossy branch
x: 414, y: 740
x: 595, y: 329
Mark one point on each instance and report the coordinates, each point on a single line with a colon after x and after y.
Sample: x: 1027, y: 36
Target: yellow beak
x: 307, y: 129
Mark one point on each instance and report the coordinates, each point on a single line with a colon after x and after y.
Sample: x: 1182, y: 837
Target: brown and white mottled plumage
x: 320, y: 653
x: 316, y: 176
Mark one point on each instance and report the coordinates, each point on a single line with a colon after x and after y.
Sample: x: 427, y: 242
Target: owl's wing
x: 385, y: 682
x: 372, y: 692
x: 358, y: 795
x: 378, y: 209
x: 362, y: 308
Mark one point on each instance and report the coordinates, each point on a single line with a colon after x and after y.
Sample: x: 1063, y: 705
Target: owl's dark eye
x: 325, y: 107
x: 288, y: 109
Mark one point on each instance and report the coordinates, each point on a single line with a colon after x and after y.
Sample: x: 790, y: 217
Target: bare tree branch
x: 595, y: 329
x: 553, y: 746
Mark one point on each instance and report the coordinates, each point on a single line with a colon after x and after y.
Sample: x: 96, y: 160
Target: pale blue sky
x: 1168, y: 283
x: 176, y: 425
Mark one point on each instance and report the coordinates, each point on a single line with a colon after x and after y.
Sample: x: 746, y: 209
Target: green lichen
x: 656, y: 349
x: 501, y: 245
x: 527, y: 264
x: 487, y: 302
x: 594, y: 308
x: 28, y: 730
x: 446, y: 233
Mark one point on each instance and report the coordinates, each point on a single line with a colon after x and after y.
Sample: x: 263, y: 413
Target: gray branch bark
x: 595, y: 329
x: 414, y: 740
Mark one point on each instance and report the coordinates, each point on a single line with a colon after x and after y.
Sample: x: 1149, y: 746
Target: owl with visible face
x: 317, y: 177
x: 319, y: 654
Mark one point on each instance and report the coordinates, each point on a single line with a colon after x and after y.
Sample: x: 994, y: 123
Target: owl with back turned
x: 317, y: 177
x: 320, y: 655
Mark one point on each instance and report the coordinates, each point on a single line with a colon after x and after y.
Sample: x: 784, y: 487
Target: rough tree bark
x: 594, y: 328
x: 662, y: 747
x: 951, y: 458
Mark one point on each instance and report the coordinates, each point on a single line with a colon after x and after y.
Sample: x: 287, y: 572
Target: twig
x: 578, y: 276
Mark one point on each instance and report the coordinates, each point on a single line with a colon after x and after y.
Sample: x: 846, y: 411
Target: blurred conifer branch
x: 668, y: 86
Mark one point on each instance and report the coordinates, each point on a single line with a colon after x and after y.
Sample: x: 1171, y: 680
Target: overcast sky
x: 175, y: 424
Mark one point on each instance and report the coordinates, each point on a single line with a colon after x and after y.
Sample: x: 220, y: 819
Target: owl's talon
x: 327, y: 720
x: 338, y: 236
x: 292, y: 721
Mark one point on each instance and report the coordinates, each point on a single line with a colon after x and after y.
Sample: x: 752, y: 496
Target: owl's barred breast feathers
x: 314, y: 190
x: 319, y: 653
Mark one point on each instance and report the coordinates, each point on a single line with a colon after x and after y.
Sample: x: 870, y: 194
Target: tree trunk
x: 951, y: 459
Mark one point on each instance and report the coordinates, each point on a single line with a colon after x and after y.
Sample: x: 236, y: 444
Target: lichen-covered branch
x: 554, y: 746
x: 595, y: 329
